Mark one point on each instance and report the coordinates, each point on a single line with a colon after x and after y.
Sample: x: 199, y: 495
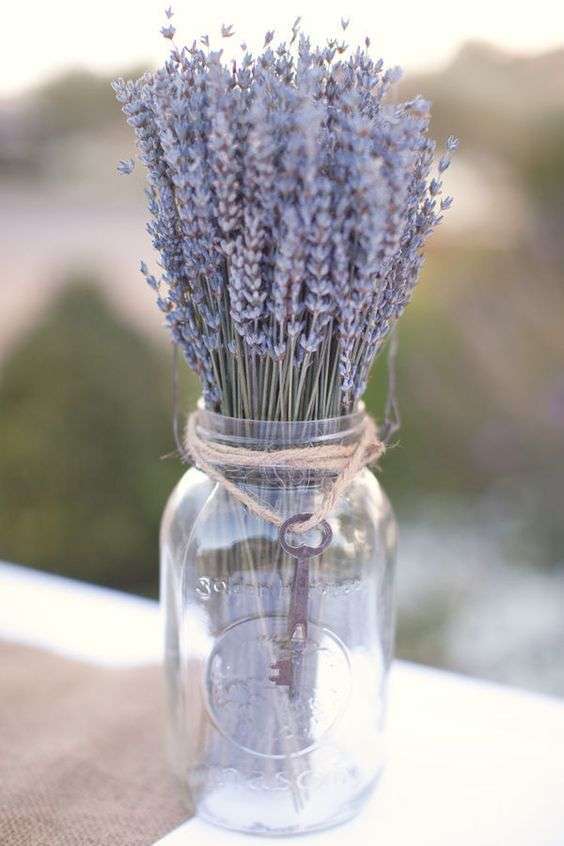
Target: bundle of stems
x: 289, y: 203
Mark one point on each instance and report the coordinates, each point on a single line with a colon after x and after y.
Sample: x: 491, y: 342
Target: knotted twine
x: 346, y: 460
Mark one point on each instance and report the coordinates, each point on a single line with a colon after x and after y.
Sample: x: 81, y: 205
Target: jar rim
x: 278, y: 433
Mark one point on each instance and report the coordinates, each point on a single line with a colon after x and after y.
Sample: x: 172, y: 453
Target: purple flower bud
x: 125, y: 167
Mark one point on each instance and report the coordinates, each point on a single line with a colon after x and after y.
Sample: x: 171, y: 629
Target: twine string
x: 346, y: 460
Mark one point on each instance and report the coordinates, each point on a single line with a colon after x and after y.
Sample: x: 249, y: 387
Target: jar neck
x: 272, y: 436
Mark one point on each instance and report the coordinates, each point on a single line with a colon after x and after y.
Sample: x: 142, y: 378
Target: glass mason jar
x: 277, y: 694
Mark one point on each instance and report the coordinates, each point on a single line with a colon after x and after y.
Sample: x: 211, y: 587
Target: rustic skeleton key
x: 286, y: 670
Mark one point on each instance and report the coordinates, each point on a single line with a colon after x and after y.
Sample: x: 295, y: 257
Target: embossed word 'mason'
x: 338, y: 775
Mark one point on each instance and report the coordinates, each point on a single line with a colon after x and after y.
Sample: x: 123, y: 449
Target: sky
x: 42, y: 37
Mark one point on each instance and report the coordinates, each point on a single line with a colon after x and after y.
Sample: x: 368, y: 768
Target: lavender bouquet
x: 290, y: 200
x: 289, y: 204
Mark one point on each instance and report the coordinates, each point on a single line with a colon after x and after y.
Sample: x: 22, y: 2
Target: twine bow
x: 346, y: 460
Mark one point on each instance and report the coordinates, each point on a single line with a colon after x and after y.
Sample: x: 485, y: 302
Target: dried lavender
x: 289, y: 205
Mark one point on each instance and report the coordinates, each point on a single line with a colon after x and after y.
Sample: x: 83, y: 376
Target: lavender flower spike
x: 125, y: 167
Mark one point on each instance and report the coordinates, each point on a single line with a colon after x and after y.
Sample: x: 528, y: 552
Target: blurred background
x: 477, y: 477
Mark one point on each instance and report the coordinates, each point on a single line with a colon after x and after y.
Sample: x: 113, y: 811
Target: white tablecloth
x: 470, y: 763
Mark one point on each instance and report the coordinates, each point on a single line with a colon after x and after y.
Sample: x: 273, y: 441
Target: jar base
x: 345, y: 814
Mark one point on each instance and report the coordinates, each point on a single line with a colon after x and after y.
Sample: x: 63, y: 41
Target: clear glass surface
x: 252, y: 751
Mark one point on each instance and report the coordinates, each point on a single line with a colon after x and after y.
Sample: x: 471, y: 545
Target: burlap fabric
x: 81, y: 753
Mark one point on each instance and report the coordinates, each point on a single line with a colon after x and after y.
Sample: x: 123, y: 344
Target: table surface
x: 469, y: 762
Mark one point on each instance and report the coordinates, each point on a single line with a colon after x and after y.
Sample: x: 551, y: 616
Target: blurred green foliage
x: 75, y: 101
x: 85, y: 422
